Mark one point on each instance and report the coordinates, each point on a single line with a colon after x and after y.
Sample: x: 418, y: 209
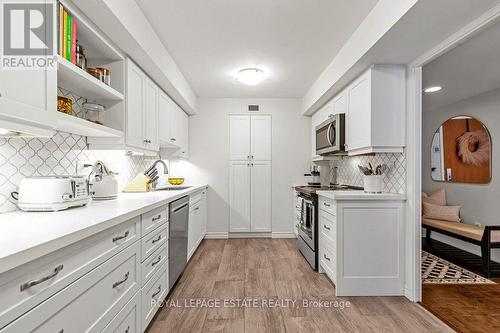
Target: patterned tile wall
x: 345, y: 170
x: 63, y: 154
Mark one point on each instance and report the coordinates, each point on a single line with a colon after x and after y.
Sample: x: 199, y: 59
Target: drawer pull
x: 156, y: 218
x: 197, y: 208
x: 117, y: 238
x: 154, y: 263
x: 128, y: 329
x: 326, y: 204
x: 30, y: 284
x: 326, y: 227
x: 156, y: 240
x: 324, y: 255
x: 116, y: 284
x: 157, y: 292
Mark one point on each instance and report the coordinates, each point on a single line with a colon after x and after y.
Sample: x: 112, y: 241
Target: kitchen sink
x: 172, y: 188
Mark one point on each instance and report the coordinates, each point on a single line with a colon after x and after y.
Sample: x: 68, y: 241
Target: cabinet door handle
x: 157, y: 292
x: 116, y: 284
x: 154, y: 263
x: 117, y: 238
x: 156, y: 218
x: 326, y: 227
x: 30, y: 284
x: 326, y: 204
x: 172, y: 139
x: 156, y: 240
x: 197, y: 208
x: 324, y: 255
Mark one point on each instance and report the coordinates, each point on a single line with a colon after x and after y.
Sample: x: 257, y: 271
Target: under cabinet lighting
x: 433, y: 89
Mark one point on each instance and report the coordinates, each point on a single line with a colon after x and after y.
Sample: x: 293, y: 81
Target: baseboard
x: 216, y: 235
x: 249, y: 235
x: 283, y: 235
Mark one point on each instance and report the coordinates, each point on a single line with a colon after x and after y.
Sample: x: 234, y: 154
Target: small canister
x: 81, y: 61
x: 106, y: 75
x: 95, y: 72
x: 93, y: 112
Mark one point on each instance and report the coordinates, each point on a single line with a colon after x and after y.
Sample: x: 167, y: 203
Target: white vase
x: 373, y: 184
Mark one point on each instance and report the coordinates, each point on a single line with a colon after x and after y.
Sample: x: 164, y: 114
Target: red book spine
x: 73, y: 41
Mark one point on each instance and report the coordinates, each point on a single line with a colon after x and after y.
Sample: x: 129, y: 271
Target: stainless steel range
x: 307, y: 228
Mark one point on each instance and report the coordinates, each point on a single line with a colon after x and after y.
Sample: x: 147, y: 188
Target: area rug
x: 437, y: 270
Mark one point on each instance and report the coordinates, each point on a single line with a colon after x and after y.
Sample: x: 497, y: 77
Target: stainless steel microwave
x: 330, y: 135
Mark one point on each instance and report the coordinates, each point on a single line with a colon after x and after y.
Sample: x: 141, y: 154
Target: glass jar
x: 81, y: 60
x: 93, y: 112
x: 105, y: 75
x: 95, y: 72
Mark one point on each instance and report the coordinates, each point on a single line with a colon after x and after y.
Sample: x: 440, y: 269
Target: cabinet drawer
x: 128, y: 320
x: 328, y: 262
x: 153, y: 293
x: 154, y: 241
x: 153, y: 219
x: 154, y: 262
x: 90, y: 303
x: 57, y: 270
x: 328, y: 226
x: 328, y: 205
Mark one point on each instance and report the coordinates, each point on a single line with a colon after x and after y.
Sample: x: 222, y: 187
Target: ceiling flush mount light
x: 251, y: 76
x: 433, y: 89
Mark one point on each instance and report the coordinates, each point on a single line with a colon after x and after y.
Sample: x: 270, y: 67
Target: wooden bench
x: 487, y: 237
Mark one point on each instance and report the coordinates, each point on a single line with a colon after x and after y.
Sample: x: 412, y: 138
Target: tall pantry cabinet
x: 250, y: 173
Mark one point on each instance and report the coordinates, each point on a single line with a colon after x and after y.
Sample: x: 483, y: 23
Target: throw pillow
x: 445, y: 213
x: 436, y: 198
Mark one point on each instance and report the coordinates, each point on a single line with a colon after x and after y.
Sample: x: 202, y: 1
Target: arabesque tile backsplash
x: 63, y: 154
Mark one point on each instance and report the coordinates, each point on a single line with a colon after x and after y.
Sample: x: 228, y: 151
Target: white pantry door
x: 239, y: 137
x: 261, y: 196
x: 239, y: 196
x: 261, y: 138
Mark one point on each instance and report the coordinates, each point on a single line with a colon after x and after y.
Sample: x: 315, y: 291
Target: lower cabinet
x: 91, y: 302
x: 361, y: 245
x: 114, y: 281
x: 197, y: 227
x: 250, y: 196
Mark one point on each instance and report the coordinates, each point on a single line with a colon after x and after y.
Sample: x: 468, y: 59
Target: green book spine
x: 68, y: 37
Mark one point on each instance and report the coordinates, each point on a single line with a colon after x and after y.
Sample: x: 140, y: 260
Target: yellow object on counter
x: 141, y: 183
x: 176, y: 180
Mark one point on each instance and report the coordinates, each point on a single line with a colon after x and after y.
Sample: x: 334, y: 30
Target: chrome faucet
x: 153, y: 167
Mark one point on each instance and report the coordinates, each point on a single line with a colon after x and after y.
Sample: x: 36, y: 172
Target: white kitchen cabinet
x: 197, y: 227
x: 179, y: 132
x: 150, y: 116
x: 260, y: 193
x: 376, y: 111
x: 165, y: 107
x: 260, y: 147
x: 250, y: 173
x: 361, y: 242
x: 250, y: 137
x: 142, y: 110
x: 239, y: 196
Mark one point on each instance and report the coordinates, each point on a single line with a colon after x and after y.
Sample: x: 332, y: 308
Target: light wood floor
x: 274, y: 269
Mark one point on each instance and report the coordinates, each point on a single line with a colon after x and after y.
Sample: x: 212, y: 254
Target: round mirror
x: 461, y: 152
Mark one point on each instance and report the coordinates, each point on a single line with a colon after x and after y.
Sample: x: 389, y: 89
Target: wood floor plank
x: 265, y: 269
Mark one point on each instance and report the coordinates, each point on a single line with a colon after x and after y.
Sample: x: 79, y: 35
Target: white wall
x: 209, y: 150
x: 480, y: 202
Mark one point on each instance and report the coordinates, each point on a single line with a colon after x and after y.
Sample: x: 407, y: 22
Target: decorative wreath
x: 480, y: 141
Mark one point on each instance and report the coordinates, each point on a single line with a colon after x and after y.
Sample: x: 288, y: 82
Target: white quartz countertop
x: 25, y: 236
x: 358, y: 195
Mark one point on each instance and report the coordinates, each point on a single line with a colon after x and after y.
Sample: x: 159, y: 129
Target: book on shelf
x: 68, y: 29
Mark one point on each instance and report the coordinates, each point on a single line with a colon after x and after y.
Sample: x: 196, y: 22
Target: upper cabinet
x: 250, y: 137
x: 142, y: 110
x: 376, y: 111
x: 374, y: 105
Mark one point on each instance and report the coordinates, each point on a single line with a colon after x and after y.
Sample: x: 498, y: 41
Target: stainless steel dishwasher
x: 178, y: 238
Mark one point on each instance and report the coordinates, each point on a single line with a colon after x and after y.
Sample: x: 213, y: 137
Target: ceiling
x: 293, y: 40
x: 469, y: 69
